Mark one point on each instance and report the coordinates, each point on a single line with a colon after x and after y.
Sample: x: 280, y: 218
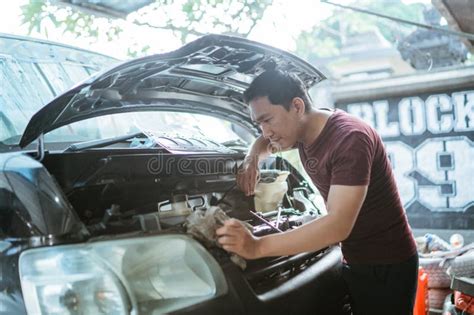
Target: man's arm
x: 344, y: 203
x: 260, y: 149
x: 247, y: 174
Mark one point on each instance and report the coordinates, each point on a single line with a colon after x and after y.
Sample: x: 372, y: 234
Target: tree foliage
x: 327, y: 38
x: 197, y: 17
x: 184, y: 18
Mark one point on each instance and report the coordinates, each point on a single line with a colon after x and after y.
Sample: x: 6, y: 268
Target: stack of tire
x: 438, y: 281
x: 461, y: 266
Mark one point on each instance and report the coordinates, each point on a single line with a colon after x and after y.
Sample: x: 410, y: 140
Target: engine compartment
x: 118, y: 192
x: 121, y: 193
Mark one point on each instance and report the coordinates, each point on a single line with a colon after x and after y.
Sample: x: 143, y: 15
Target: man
x: 347, y: 162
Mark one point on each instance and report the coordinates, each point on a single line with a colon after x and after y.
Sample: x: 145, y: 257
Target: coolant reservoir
x: 174, y: 211
x: 270, y: 190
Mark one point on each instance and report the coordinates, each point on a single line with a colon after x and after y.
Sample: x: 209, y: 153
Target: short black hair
x: 280, y: 87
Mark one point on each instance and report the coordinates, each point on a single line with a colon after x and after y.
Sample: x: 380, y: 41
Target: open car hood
x: 207, y: 76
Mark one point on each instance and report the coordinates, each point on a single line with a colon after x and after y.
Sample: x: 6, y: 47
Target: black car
x: 96, y: 191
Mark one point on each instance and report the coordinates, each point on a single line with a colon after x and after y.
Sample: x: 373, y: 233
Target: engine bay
x: 123, y: 193
x: 172, y: 214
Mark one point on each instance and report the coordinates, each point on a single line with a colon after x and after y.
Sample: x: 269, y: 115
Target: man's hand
x: 236, y: 238
x: 247, y: 176
x: 344, y: 203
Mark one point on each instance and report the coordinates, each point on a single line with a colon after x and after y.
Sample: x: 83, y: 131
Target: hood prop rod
x: 40, y: 148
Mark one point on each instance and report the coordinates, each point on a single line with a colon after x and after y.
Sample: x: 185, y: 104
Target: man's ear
x: 299, y: 105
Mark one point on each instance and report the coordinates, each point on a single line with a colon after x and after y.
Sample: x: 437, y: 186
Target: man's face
x: 277, y: 124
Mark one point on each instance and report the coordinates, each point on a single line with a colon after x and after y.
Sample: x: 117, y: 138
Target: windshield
x: 169, y: 123
x: 32, y: 73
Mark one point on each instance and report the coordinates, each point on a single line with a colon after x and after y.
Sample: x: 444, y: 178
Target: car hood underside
x: 208, y: 75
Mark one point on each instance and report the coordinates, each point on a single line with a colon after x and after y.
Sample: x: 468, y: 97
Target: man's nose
x: 266, y: 131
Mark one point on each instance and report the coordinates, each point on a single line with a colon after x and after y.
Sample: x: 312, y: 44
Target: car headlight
x: 151, y: 275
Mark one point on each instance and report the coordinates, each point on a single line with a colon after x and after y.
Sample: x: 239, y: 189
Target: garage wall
x: 429, y: 136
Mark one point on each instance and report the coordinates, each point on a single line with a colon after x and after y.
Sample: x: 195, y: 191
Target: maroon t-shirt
x: 350, y: 152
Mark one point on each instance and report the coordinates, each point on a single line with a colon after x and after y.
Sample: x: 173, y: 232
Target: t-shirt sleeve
x: 352, y: 160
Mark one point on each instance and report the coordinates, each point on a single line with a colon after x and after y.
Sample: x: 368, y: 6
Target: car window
x: 32, y: 73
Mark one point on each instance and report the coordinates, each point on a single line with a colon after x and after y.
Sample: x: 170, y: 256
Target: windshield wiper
x: 100, y: 143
